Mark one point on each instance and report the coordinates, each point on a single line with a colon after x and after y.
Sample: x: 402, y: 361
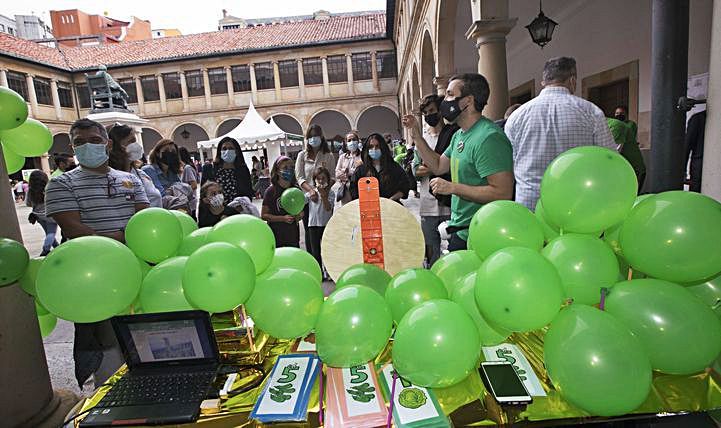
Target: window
x: 84, y: 95
x: 337, y: 70
x: 151, y: 92
x: 171, y: 83
x: 42, y: 91
x: 288, y: 71
x: 17, y: 82
x: 312, y: 71
x: 129, y: 86
x: 241, y: 78
x: 2, y: 28
x: 362, y: 66
x: 194, y: 80
x: 11, y: 31
x: 264, y: 76
x: 386, y: 64
x: 218, y: 84
x: 608, y: 96
x: 65, y: 94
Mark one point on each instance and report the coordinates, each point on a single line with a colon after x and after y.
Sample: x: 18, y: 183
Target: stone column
x: 161, y: 91
x: 253, y: 83
x: 139, y: 92
x: 301, y: 78
x: 229, y: 83
x: 206, y: 88
x: 441, y: 83
x: 276, y: 80
x: 184, y: 91
x: 4, y: 77
x: 326, y: 84
x: 711, y: 179
x: 349, y: 73
x: 31, y: 94
x: 374, y: 71
x: 490, y: 37
x: 56, y: 99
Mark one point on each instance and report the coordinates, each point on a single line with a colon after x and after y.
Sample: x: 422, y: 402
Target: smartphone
x: 501, y: 379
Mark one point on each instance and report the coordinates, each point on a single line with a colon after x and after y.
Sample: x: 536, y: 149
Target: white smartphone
x: 502, y: 381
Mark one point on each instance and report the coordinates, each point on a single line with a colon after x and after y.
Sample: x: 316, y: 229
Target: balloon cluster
x: 21, y: 136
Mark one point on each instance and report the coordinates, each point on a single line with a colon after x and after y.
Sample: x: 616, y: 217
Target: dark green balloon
x: 14, y: 261
x: 709, y: 292
x: 13, y: 161
x: 365, y: 274
x: 47, y: 324
x: 27, y: 281
x: 410, y: 287
x: 454, y: 266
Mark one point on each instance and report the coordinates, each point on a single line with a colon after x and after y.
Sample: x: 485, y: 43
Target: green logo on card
x: 284, y: 389
x: 412, y: 398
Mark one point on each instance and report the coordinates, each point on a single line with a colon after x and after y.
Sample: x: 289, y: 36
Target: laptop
x: 172, y: 360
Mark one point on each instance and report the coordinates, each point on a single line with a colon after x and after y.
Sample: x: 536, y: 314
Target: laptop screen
x: 166, y: 338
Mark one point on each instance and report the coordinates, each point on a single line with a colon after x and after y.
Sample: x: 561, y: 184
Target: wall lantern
x: 541, y: 28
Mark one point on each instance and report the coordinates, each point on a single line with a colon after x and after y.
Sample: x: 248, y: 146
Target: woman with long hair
x: 378, y: 162
x: 284, y: 226
x: 126, y: 154
x: 164, y: 166
x: 36, y: 199
x: 230, y: 171
x: 347, y: 164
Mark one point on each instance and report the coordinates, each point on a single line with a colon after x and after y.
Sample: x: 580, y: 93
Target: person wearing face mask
x: 548, y: 125
x: 125, y: 155
x: 164, y: 166
x: 94, y: 199
x: 230, y: 171
x: 347, y: 164
x: 284, y: 226
x: 319, y: 213
x: 189, y: 176
x: 378, y: 162
x: 479, y: 157
x: 63, y: 163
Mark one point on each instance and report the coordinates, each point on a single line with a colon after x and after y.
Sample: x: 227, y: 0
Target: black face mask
x: 621, y: 117
x: 171, y: 160
x: 432, y: 119
x: 450, y: 110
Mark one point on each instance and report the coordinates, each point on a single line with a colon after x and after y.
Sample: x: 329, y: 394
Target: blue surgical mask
x: 91, y: 155
x: 228, y: 155
x: 287, y: 175
x: 338, y: 145
x: 352, y: 145
x: 375, y: 154
x: 314, y: 142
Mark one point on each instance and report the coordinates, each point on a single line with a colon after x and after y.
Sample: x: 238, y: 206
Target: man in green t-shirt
x: 479, y: 158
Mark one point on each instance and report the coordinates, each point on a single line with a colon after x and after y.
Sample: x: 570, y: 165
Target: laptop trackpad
x: 142, y: 415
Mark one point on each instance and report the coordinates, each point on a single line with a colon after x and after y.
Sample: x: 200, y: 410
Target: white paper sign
x: 284, y: 386
x: 359, y: 381
x: 512, y: 354
x: 421, y: 409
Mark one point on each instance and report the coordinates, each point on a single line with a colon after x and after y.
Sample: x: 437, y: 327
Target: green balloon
x: 40, y: 309
x: 193, y: 241
x: 365, y: 274
x: 550, y: 231
x: 154, y: 234
x: 436, y: 344
x: 47, y: 324
x: 218, y: 277
x: 13, y: 161
x: 709, y: 292
x: 680, y: 334
x: 144, y: 267
x: 32, y: 138
x: 410, y: 287
x: 353, y: 327
x: 587, y: 189
x: 187, y: 223
x: 285, y: 303
x: 595, y: 362
x: 14, y: 261
x: 292, y: 200
x: 501, y: 224
x: 162, y: 287
x: 674, y: 236
x: 13, y: 109
x: 295, y: 258
x: 454, y: 266
x: 612, y: 235
x: 249, y: 233
x: 517, y: 289
x: 27, y: 281
x: 464, y: 295
x: 88, y: 279
x: 585, y: 264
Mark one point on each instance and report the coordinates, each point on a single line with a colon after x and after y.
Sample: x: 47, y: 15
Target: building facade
x: 73, y: 27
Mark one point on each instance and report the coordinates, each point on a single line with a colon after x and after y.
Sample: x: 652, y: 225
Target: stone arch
x: 380, y: 119
x: 150, y: 136
x: 226, y: 126
x: 428, y: 65
x: 288, y: 123
x: 454, y: 53
x: 332, y: 121
x: 195, y: 133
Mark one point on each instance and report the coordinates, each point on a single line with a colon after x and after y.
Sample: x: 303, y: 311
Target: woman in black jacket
x: 378, y: 162
x: 230, y: 171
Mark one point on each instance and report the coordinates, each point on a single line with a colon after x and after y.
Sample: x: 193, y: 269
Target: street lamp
x: 185, y: 134
x: 541, y: 28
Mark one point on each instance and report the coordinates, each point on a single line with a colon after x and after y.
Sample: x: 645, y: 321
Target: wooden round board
x: 403, y: 244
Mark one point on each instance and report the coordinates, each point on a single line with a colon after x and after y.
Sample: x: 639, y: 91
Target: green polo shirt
x: 475, y: 154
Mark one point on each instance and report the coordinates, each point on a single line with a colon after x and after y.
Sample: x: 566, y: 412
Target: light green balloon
x: 674, y: 236
x: 612, y: 235
x: 27, y: 281
x: 295, y: 258
x: 501, y: 224
x: 218, y: 277
x: 595, y: 362
x: 88, y: 279
x: 154, y: 234
x: 454, y: 266
x: 464, y: 295
x: 13, y: 161
x: 193, y: 241
x: 709, y: 292
x: 436, y: 344
x: 144, y: 267
x: 162, y: 287
x: 681, y: 335
x: 32, y: 138
x: 517, y: 289
x: 249, y: 233
x: 353, y: 327
x: 411, y: 287
x: 585, y: 264
x: 187, y: 223
x: 14, y: 261
x: 365, y: 274
x: 13, y: 109
x: 292, y: 200
x: 285, y: 303
x: 40, y: 309
x: 550, y: 231
x: 47, y: 324
x: 587, y: 189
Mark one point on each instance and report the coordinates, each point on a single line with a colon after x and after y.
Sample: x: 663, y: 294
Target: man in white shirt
x: 548, y: 125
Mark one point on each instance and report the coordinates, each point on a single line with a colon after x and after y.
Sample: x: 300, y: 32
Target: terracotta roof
x: 371, y: 25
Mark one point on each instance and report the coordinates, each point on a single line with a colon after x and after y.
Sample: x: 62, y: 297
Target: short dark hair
x: 559, y: 69
x: 623, y: 107
x: 184, y: 155
x: 474, y: 84
x: 61, y: 157
x: 430, y: 99
x: 86, y: 123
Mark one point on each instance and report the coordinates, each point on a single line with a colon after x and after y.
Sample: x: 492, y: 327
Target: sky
x: 184, y: 15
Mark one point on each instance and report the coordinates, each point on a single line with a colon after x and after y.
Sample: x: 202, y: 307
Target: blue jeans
x: 50, y: 228
x: 429, y: 226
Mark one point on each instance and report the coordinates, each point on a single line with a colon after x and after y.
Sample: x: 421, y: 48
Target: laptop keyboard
x: 157, y: 389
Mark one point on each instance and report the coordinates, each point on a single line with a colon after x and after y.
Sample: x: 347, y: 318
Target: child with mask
x: 284, y: 226
x: 211, y: 208
x: 320, y: 211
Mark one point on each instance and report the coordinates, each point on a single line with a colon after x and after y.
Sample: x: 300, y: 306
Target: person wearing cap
x: 126, y: 154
